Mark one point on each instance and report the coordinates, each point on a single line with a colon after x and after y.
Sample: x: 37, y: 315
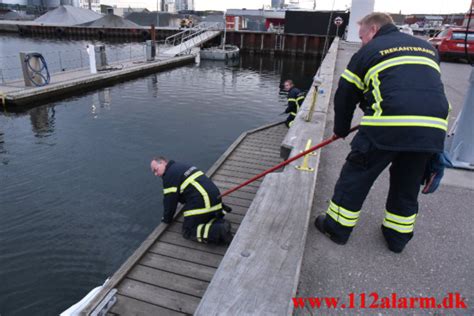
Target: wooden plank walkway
x: 62, y: 84
x: 168, y: 275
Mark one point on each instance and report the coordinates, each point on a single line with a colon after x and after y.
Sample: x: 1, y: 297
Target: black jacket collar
x: 168, y: 165
x: 386, y: 29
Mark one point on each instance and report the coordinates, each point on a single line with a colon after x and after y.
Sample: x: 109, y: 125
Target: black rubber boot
x: 396, y: 242
x: 226, y: 234
x: 319, y: 223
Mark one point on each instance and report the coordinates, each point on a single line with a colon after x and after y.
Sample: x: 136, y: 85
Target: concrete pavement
x: 437, y: 261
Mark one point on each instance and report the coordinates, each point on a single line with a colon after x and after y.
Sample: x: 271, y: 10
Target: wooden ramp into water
x: 167, y: 274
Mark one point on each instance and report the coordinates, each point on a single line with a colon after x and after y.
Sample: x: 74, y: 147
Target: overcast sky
x: 406, y: 6
x: 392, y: 6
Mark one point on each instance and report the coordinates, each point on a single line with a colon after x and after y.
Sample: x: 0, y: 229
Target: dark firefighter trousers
x: 207, y: 228
x: 363, y: 165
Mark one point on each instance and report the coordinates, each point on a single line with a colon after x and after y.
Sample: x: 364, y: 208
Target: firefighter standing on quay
x: 395, y: 78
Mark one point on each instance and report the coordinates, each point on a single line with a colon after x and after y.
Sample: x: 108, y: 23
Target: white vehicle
x: 405, y: 29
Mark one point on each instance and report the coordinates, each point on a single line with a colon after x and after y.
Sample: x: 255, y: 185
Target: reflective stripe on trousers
x: 342, y: 215
x: 401, y: 224
x: 204, y: 236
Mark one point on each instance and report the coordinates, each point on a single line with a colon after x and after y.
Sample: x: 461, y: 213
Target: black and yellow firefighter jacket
x: 188, y: 185
x: 295, y: 101
x: 396, y: 80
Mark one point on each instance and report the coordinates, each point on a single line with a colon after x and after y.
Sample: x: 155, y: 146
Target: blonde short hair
x: 376, y: 18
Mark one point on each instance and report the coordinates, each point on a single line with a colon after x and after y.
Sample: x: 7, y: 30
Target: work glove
x: 226, y: 208
x: 434, y: 172
x: 341, y: 132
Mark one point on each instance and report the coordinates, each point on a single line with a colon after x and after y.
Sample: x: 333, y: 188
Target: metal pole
x: 462, y: 145
x: 225, y: 30
x: 60, y: 62
x: 286, y: 162
x: 80, y: 56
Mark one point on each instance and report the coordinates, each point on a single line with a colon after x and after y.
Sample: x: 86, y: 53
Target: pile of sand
x: 68, y: 15
x: 111, y: 20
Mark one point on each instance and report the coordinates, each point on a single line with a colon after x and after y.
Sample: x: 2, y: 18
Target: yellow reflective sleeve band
x: 203, y: 210
x: 170, y: 190
x: 291, y: 100
x: 207, y: 228
x: 293, y: 113
x: 405, y: 120
x: 190, y: 179
x: 199, y: 232
x: 353, y: 78
x: 377, y: 107
x: 397, y: 61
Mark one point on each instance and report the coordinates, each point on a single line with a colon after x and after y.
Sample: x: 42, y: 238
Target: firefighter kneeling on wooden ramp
x: 395, y: 78
x: 203, y: 209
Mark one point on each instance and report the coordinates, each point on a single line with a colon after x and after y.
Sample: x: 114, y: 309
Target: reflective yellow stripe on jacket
x: 353, y: 78
x: 397, y: 61
x: 378, y: 119
x: 297, y: 102
x: 170, y: 190
x: 405, y: 120
x: 203, y: 210
x: 189, y: 180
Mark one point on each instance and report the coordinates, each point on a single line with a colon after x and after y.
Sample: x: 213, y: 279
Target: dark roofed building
x: 161, y: 19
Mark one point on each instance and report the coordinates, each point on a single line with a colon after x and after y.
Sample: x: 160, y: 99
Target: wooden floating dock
x: 68, y: 82
x: 167, y: 274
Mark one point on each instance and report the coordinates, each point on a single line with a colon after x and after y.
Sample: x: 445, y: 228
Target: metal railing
x: 70, y: 59
x: 184, y: 37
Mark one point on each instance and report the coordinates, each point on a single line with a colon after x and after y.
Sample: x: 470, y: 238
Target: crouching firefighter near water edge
x: 203, y: 210
x: 295, y: 101
x: 395, y: 78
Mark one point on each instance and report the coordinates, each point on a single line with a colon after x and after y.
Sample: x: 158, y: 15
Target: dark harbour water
x: 76, y: 193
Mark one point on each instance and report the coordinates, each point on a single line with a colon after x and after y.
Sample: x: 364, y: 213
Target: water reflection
x: 101, y: 100
x: 3, y: 150
x: 153, y: 85
x: 189, y: 113
x: 42, y: 121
